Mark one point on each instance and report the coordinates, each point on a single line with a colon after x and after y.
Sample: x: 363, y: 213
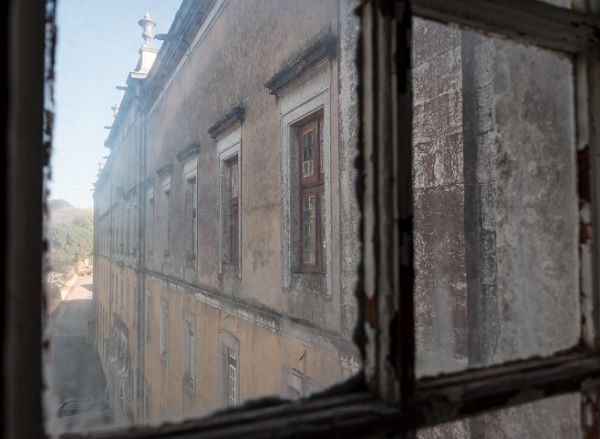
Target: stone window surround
x: 307, y: 96
x: 228, y: 146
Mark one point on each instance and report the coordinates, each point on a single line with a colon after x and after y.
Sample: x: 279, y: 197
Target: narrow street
x: 75, y: 378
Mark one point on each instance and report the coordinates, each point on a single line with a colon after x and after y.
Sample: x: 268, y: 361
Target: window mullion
x: 388, y: 277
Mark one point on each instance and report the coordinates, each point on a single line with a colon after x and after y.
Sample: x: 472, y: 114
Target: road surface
x: 73, y: 369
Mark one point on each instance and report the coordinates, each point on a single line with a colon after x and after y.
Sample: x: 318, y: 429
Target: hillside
x: 59, y: 204
x: 70, y: 235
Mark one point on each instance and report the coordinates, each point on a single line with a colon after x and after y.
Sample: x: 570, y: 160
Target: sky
x: 97, y: 47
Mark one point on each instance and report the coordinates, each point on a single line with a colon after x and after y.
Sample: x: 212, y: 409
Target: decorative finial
x: 147, y: 25
x: 147, y: 52
x: 115, y: 109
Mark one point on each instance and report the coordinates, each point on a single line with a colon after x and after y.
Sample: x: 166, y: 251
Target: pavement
x: 73, y: 369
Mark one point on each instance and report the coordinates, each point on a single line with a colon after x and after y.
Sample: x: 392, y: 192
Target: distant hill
x: 59, y: 204
x: 70, y: 234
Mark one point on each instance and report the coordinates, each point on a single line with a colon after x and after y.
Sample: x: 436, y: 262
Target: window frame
x: 163, y: 331
x: 167, y: 201
x: 369, y: 404
x: 233, y: 216
x: 149, y: 227
x: 188, y: 158
x: 190, y: 259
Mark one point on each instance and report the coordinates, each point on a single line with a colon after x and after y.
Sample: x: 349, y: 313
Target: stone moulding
x: 188, y: 151
x: 235, y: 115
x: 324, y: 45
x: 164, y: 170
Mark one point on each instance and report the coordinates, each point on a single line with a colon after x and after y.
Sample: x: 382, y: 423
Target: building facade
x: 226, y: 245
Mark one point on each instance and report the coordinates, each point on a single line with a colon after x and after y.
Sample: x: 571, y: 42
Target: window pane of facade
x: 495, y: 200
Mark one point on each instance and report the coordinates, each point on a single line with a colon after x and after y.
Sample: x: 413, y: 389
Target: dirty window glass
x: 552, y: 418
x: 495, y: 200
x: 203, y: 251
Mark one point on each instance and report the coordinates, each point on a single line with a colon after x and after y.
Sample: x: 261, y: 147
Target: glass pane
x: 495, y: 200
x: 309, y: 230
x: 308, y: 146
x: 193, y: 294
x: 558, y: 417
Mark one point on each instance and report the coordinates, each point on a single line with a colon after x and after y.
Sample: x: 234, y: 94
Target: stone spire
x: 147, y: 52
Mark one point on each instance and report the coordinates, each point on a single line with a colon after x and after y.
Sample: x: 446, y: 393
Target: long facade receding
x: 227, y: 221
x: 224, y: 228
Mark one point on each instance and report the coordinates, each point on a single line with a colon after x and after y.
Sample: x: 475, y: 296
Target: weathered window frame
x: 232, y: 220
x: 387, y: 398
x: 313, y: 185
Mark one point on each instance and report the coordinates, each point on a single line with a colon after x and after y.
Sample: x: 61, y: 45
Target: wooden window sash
x: 233, y: 200
x: 312, y: 185
x: 190, y: 221
x: 150, y: 227
x: 167, y: 223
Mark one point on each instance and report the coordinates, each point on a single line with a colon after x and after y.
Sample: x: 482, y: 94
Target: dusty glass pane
x: 224, y: 246
x: 552, y: 418
x: 495, y: 202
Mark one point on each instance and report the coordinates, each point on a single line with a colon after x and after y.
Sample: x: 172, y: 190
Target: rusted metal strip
x: 530, y: 21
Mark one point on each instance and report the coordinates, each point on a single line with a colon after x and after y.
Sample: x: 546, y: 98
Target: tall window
x: 134, y: 229
x: 230, y: 381
x: 148, y: 309
x: 128, y: 232
x: 312, y: 230
x: 164, y: 316
x: 167, y: 223
x: 190, y: 221
x: 150, y: 226
x: 189, y: 352
x: 233, y: 189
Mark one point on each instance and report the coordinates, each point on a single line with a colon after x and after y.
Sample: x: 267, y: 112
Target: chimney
x: 147, y: 52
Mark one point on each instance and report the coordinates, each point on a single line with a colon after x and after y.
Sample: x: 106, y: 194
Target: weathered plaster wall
x: 263, y: 358
x: 191, y: 106
x: 496, y: 216
x: 533, y: 151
